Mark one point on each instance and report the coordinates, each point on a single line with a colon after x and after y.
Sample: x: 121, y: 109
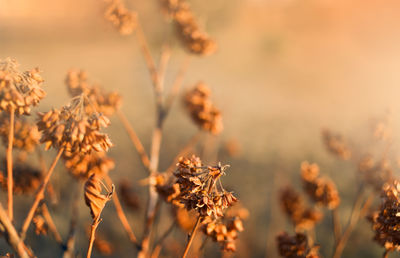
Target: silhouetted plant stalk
x: 10, y: 165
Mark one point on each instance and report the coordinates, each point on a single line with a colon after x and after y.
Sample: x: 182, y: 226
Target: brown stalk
x: 354, y: 217
x: 10, y: 165
x: 69, y: 245
x: 192, y: 234
x: 12, y: 236
x: 135, y: 140
x: 162, y: 67
x: 337, y: 229
x: 50, y: 223
x: 160, y: 241
x: 93, y: 228
x: 39, y: 195
x: 121, y: 214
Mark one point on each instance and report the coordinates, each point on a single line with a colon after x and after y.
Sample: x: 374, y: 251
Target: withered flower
x: 375, y: 173
x: 97, y: 100
x: 94, y: 197
x: 19, y: 90
x: 122, y: 19
x: 336, y: 145
x: 321, y: 190
x: 200, y: 187
x: 128, y: 196
x: 202, y: 110
x: 296, y: 246
x: 41, y: 227
x: 26, y: 135
x: 386, y: 221
x: 192, y: 36
x: 293, y: 205
x: 82, y: 166
x: 74, y: 130
x: 27, y: 179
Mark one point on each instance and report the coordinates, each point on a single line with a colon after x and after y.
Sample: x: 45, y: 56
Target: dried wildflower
x: 168, y: 190
x: 195, y: 40
x: 97, y: 100
x: 382, y: 127
x: 386, y: 221
x: 26, y: 135
x: 321, y: 190
x: 296, y: 246
x: 74, y: 130
x: 375, y: 173
x: 201, y: 189
x: 93, y: 196
x: 82, y: 166
x: 41, y: 227
x: 128, y: 196
x: 19, y: 90
x: 293, y: 205
x: 27, y: 179
x: 124, y: 21
x: 202, y: 110
x: 225, y: 230
x: 336, y: 144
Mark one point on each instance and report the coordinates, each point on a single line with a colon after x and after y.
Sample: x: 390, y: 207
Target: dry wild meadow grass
x: 194, y: 191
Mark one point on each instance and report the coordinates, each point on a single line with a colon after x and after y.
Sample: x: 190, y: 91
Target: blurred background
x: 283, y: 70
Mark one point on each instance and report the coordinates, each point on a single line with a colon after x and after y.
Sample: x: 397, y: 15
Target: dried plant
x: 193, y: 38
x: 336, y: 144
x: 296, y: 246
x: 202, y: 110
x: 122, y: 19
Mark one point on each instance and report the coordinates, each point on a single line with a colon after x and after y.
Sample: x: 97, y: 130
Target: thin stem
x: 385, y: 254
x: 39, y: 195
x: 51, y: 224
x: 10, y: 165
x: 189, y: 243
x: 135, y: 140
x: 12, y: 236
x: 121, y: 214
x: 69, y: 245
x: 162, y: 67
x: 337, y: 229
x: 93, y: 228
x: 354, y: 217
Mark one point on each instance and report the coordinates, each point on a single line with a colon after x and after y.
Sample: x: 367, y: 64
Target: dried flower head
x: 386, y: 221
x: 82, y: 166
x: 202, y: 110
x: 74, y: 130
x: 382, y: 127
x: 193, y: 37
x: 97, y: 100
x: 336, y: 145
x: 225, y: 230
x: 200, y: 187
x: 122, y: 19
x: 293, y: 205
x: 321, y: 190
x: 19, y: 90
x: 169, y: 190
x: 27, y: 179
x: 26, y: 134
x: 41, y: 227
x: 128, y: 196
x: 93, y: 196
x: 375, y: 173
x: 296, y: 246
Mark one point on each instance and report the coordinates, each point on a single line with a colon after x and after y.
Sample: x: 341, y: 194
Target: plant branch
x: 50, y: 223
x: 121, y: 214
x: 10, y: 165
x: 39, y: 195
x: 189, y: 243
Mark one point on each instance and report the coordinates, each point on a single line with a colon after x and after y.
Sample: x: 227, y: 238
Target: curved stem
x: 121, y: 214
x: 189, y: 243
x: 10, y: 165
x: 93, y: 228
x: 39, y: 195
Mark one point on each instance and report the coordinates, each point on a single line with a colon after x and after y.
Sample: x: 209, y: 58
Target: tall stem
x: 93, y: 228
x: 192, y: 234
x: 10, y: 165
x: 39, y: 195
